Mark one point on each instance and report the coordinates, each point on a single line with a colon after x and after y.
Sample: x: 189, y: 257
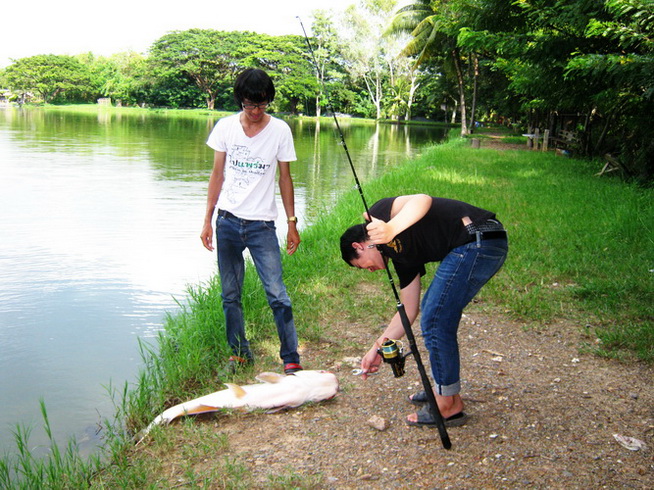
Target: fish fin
x: 201, y: 409
x: 237, y: 390
x: 270, y: 377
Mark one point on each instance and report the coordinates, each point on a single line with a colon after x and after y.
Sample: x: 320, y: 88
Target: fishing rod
x: 431, y: 398
x: 338, y: 126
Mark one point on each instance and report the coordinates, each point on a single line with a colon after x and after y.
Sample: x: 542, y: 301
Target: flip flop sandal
x: 426, y: 419
x: 418, y: 398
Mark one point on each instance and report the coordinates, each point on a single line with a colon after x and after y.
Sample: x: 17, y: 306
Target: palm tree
x: 434, y: 26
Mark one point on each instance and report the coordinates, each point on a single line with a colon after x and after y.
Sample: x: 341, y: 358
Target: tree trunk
x: 412, y: 92
x: 320, y: 77
x: 462, y: 95
x: 378, y: 91
x: 474, y: 93
x: 374, y: 91
x: 605, y: 129
x: 293, y: 105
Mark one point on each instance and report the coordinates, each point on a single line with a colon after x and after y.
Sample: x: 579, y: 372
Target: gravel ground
x: 543, y: 414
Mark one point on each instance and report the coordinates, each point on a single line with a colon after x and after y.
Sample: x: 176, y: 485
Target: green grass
x: 581, y: 246
x: 95, y: 109
x: 61, y: 469
x: 581, y: 251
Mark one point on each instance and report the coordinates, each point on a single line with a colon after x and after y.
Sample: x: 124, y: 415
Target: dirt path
x: 543, y: 415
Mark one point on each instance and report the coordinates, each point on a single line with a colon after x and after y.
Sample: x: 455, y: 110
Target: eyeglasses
x: 250, y: 107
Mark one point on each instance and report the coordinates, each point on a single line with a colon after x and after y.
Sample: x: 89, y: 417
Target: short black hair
x: 255, y: 85
x: 354, y: 234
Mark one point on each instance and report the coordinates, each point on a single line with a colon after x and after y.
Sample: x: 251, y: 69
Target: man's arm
x: 410, y: 297
x: 288, y: 200
x: 406, y: 211
x: 215, y: 186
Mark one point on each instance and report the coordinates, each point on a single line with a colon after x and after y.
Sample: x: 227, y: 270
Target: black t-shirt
x: 431, y: 238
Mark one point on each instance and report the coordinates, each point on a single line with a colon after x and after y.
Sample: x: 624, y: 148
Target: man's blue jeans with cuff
x: 459, y: 277
x: 233, y: 236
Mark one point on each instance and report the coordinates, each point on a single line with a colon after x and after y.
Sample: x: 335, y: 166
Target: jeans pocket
x: 486, y: 266
x: 269, y: 225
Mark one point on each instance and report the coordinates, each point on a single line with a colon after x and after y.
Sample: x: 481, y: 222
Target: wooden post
x: 546, y: 137
x: 536, y: 138
x: 475, y: 143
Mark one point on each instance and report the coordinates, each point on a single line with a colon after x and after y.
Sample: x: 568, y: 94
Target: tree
x: 212, y: 59
x: 585, y: 63
x: 404, y: 78
x: 209, y: 58
x: 623, y: 76
x: 50, y: 76
x: 123, y: 77
x: 326, y: 50
x: 284, y: 58
x: 434, y: 26
x: 367, y: 48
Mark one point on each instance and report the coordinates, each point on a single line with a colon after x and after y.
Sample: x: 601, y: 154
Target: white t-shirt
x: 248, y: 190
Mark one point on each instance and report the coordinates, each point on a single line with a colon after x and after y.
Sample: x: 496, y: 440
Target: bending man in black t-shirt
x: 471, y: 246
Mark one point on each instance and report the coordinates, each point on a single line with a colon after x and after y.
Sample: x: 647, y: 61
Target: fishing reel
x: 392, y: 353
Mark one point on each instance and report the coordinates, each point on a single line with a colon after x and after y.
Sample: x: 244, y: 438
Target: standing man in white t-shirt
x: 249, y: 148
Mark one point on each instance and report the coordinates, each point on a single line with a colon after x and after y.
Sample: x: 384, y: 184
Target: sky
x: 70, y: 27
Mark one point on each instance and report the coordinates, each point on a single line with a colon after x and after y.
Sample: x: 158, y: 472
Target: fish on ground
x: 275, y: 392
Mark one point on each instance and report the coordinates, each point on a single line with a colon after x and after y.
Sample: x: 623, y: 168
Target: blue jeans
x: 233, y: 236
x: 460, y: 276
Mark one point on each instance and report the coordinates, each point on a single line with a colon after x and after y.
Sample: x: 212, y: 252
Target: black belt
x: 226, y: 214
x: 488, y: 229
x: 490, y: 235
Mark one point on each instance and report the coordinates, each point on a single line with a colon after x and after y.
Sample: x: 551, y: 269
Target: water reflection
x: 100, y: 216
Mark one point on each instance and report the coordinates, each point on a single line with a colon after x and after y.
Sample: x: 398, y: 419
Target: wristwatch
x: 292, y: 219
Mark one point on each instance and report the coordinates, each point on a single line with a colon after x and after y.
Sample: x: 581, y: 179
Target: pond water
x: 100, y: 215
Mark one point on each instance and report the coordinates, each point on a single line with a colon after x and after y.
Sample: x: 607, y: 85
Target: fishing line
x: 440, y: 424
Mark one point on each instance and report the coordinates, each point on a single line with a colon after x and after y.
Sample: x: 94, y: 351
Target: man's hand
x: 370, y: 362
x: 207, y: 237
x: 380, y: 232
x: 292, y: 239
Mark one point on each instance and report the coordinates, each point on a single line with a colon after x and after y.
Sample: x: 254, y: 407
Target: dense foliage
x: 585, y: 66
x: 52, y: 78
